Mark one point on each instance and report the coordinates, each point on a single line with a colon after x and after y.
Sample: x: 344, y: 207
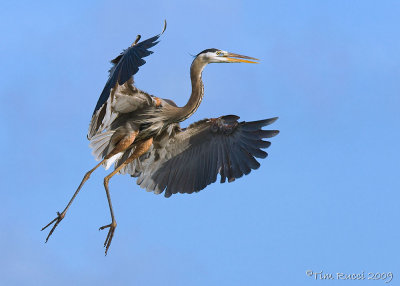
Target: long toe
x: 110, y: 234
x: 56, y: 221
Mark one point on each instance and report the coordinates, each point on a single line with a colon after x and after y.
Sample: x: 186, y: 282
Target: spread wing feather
x: 119, y: 91
x: 191, y: 159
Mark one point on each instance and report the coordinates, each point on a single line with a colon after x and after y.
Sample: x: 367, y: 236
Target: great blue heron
x: 140, y: 134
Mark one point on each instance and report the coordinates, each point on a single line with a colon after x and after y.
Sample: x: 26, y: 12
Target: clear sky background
x: 326, y: 199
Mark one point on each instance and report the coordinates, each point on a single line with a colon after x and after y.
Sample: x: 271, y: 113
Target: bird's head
x: 220, y: 56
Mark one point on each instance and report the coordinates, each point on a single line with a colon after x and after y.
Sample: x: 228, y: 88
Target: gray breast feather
x: 124, y: 103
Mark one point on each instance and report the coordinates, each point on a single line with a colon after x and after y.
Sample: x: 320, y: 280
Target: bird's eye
x: 219, y: 53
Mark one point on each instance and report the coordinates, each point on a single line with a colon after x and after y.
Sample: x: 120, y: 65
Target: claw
x: 110, y: 234
x: 57, y: 220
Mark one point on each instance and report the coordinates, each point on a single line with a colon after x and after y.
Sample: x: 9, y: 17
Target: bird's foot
x: 56, y: 221
x: 110, y: 234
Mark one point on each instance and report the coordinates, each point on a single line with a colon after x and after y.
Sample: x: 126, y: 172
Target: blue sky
x: 326, y: 199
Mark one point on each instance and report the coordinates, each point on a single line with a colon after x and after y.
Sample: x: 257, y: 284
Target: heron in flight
x: 140, y: 135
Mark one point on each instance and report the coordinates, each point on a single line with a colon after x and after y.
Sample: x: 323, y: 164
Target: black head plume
x: 207, y: 50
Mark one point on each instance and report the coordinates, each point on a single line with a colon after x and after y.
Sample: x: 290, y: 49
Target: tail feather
x: 99, y: 143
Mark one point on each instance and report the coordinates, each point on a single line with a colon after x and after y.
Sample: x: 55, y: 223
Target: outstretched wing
x: 120, y: 86
x: 192, y: 159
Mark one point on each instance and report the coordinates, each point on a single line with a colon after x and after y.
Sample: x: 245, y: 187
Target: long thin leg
x: 122, y: 145
x: 139, y: 151
x: 60, y: 216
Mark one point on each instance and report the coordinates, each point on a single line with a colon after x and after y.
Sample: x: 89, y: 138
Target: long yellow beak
x: 235, y: 58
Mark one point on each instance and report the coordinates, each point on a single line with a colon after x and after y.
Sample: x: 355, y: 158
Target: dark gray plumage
x: 191, y: 159
x: 126, y: 65
x: 140, y: 135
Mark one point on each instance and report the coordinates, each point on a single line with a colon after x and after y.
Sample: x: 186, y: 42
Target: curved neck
x: 197, y: 91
